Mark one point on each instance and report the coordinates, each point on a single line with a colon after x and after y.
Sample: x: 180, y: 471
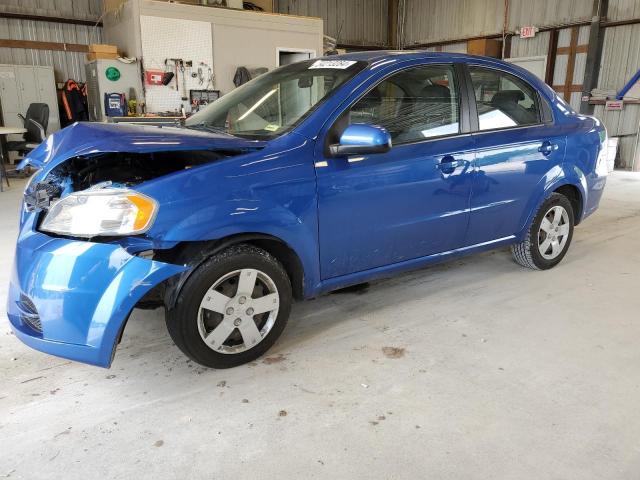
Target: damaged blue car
x: 310, y: 178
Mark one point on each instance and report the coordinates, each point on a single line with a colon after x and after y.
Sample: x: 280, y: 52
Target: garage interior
x: 474, y: 368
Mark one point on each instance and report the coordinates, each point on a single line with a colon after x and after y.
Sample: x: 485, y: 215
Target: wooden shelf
x: 598, y: 101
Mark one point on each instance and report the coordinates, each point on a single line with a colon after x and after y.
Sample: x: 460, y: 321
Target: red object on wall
x: 153, y: 77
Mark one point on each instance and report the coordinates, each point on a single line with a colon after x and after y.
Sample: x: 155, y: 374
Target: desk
x: 4, y: 131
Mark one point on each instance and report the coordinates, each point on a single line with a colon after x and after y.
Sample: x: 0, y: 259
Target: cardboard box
x: 91, y: 56
x: 111, y: 5
x: 103, y: 48
x: 486, y: 47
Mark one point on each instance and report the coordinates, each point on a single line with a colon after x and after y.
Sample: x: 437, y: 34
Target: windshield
x: 275, y: 102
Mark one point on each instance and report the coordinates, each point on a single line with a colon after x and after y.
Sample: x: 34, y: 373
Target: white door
x: 286, y: 56
x: 27, y: 86
x: 9, y: 96
x: 536, y: 65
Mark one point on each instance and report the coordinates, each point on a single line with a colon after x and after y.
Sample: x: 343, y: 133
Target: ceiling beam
x: 34, y: 45
x: 44, y: 18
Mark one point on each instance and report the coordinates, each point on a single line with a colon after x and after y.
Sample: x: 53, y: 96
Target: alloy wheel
x: 238, y: 311
x: 553, y: 233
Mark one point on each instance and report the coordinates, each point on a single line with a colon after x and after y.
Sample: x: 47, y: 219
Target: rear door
x: 517, y: 149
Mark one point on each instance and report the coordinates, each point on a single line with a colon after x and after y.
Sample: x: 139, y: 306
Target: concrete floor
x: 500, y: 372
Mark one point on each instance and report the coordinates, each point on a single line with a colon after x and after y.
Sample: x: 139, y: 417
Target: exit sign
x: 527, y: 32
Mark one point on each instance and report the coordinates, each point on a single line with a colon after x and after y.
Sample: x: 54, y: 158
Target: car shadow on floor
x: 146, y: 336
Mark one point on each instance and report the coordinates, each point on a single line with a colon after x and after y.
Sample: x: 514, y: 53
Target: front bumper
x: 71, y: 298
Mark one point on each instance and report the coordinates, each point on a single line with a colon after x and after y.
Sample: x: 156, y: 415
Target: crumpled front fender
x: 82, y: 292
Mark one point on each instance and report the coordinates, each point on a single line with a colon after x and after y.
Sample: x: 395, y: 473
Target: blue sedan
x: 310, y: 178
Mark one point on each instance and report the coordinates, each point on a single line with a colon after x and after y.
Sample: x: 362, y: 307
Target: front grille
x: 29, y: 314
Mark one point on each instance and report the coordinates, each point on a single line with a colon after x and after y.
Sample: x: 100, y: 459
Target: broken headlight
x: 106, y: 212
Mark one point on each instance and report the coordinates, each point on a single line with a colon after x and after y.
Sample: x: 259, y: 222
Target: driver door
x: 410, y: 202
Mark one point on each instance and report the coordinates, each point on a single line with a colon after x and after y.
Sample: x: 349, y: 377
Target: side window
x: 413, y: 104
x: 503, y: 100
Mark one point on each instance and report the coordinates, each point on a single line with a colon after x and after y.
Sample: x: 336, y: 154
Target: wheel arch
x: 566, y: 180
x: 193, y: 254
x: 574, y: 195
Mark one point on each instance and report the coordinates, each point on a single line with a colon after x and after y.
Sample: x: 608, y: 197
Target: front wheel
x: 232, y: 308
x: 549, y: 236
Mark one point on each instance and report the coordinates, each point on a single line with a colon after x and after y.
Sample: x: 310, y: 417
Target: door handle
x: 547, y: 147
x: 448, y: 164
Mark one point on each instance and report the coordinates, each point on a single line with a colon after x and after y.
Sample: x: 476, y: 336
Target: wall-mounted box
x: 98, y: 83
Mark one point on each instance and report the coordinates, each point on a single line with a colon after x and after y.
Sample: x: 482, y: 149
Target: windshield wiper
x: 207, y: 128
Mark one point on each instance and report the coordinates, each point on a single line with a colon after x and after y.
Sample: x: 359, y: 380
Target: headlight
x: 107, y: 212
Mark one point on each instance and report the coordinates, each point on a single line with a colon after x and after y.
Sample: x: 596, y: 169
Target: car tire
x: 222, y: 328
x: 549, y: 235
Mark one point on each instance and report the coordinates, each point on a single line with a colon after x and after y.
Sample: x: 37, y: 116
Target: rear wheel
x: 232, y: 309
x: 549, y: 236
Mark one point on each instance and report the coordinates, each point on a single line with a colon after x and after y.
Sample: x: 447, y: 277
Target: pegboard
x: 175, y: 38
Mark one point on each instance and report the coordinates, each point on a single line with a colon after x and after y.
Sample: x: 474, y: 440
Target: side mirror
x: 361, y: 138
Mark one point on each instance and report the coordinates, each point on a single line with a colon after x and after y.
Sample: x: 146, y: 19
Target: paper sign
x: 337, y: 64
x: 613, y: 105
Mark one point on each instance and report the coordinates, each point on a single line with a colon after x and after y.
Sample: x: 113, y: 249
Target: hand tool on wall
x: 167, y: 76
x: 183, y: 64
x: 177, y: 64
x: 209, y: 78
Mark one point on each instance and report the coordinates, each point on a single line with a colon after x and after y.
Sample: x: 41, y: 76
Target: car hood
x: 93, y: 138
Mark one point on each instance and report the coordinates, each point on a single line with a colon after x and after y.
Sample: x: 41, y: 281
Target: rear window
x: 503, y: 100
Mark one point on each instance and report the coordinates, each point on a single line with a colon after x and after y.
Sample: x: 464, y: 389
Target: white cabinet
x: 21, y: 85
x: 9, y: 96
x: 47, y: 93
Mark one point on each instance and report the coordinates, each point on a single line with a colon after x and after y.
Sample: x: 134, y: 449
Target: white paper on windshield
x: 337, y: 64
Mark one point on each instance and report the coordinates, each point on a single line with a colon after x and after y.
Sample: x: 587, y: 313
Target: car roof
x: 375, y: 57
x: 381, y: 55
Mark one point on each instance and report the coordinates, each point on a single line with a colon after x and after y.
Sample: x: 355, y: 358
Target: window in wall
x: 413, y: 104
x: 503, y: 100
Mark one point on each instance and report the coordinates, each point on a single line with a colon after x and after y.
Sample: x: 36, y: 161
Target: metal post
x: 551, y: 57
x: 392, y: 23
x: 594, y: 54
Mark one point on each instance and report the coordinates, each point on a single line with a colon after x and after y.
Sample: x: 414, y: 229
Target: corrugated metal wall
x: 623, y: 9
x: 79, y: 9
x: 530, y: 47
x: 620, y: 60
x: 547, y: 12
x: 437, y: 20
x: 66, y: 64
x: 353, y: 22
